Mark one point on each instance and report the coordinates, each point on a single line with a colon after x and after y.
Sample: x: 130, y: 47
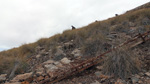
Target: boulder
x: 65, y: 60
x: 76, y: 53
x: 3, y: 77
x: 58, y: 64
x: 50, y: 67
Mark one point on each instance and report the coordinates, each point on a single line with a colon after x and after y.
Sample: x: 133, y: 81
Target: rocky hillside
x: 124, y: 66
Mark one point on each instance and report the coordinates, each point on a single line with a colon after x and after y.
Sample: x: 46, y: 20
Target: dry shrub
x: 121, y: 63
x: 93, y: 45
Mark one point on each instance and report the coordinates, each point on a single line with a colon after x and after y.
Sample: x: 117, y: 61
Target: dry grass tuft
x: 122, y: 63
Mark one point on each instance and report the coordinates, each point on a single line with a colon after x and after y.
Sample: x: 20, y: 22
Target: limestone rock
x: 65, y: 60
x: 76, y: 52
x: 147, y: 74
x: 58, y: 64
x: 38, y: 56
x: 3, y: 77
x: 50, y: 67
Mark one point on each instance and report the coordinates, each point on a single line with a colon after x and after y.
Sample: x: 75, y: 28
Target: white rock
x: 21, y: 77
x: 147, y: 73
x: 56, y: 63
x: 38, y: 56
x: 3, y: 77
x: 50, y: 67
x: 65, y: 60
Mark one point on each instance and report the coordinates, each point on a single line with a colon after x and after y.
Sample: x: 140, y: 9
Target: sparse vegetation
x: 89, y: 38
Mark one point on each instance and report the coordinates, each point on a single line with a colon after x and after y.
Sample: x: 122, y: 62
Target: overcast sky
x: 26, y: 21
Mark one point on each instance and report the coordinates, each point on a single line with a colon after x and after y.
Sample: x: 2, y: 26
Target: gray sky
x: 26, y: 21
